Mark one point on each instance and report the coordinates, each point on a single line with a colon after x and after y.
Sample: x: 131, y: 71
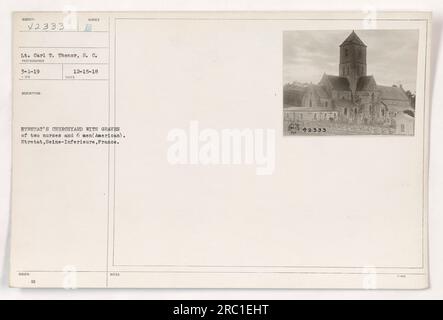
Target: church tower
x: 352, y: 60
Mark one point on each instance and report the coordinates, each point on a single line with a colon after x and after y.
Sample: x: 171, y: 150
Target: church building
x: 351, y: 97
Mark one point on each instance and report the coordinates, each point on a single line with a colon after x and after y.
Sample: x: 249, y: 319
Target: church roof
x: 404, y: 116
x: 366, y: 83
x: 392, y: 93
x: 353, y: 39
x: 338, y: 83
x: 319, y: 91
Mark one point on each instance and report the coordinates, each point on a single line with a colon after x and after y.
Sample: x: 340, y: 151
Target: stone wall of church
x: 366, y: 113
x: 346, y: 95
x: 368, y: 96
x: 311, y: 100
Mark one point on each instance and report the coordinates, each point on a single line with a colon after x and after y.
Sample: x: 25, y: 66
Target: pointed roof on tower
x: 353, y: 39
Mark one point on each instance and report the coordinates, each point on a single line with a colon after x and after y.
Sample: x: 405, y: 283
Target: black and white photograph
x: 350, y: 82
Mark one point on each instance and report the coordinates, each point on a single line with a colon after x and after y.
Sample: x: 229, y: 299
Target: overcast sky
x: 391, y: 55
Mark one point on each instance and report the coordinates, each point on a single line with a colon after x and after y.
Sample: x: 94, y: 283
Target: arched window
x: 310, y: 103
x: 326, y: 104
x: 345, y: 111
x: 346, y: 52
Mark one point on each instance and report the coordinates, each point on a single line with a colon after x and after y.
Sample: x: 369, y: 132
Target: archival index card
x: 220, y: 150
